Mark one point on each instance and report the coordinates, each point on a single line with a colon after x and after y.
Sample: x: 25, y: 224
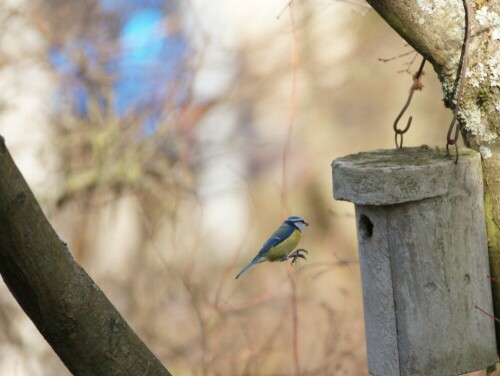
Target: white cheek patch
x: 300, y: 225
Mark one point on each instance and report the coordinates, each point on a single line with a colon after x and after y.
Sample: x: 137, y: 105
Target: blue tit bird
x: 281, y: 243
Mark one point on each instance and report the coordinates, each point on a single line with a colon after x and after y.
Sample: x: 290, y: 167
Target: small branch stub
x: 424, y: 260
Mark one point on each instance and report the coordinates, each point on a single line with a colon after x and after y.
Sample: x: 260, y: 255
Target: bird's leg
x: 296, y: 254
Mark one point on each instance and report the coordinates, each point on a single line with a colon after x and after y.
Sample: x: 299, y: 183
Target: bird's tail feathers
x: 254, y: 261
x: 245, y: 269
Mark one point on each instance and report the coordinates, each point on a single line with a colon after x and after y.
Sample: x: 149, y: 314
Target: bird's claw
x: 296, y: 254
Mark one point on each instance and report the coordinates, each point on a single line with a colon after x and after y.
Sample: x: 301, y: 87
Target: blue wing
x: 282, y: 233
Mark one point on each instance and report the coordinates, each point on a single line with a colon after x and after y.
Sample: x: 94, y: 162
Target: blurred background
x: 167, y: 139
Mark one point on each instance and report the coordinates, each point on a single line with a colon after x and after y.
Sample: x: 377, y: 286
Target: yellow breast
x: 278, y: 252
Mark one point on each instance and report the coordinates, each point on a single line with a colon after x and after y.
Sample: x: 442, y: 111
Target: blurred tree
x: 124, y: 123
x: 436, y: 30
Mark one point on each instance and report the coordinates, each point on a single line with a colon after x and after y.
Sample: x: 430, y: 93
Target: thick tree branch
x: 67, y: 307
x: 435, y: 31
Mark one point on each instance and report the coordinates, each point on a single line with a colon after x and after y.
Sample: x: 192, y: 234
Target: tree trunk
x: 67, y: 307
x: 436, y: 30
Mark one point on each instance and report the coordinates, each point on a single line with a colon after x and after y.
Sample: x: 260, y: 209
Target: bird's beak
x: 307, y: 224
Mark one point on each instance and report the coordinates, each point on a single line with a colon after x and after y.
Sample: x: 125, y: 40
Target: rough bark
x: 67, y: 307
x: 436, y: 29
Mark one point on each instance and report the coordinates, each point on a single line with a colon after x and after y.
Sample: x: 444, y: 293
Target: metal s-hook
x: 415, y: 86
x: 401, y: 132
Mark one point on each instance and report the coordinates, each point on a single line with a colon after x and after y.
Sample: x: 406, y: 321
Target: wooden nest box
x: 424, y: 259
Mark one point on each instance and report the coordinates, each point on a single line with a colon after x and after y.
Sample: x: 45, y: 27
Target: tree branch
x: 435, y: 31
x: 67, y: 307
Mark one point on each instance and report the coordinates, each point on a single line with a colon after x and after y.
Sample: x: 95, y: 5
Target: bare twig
x: 291, y: 114
x: 487, y: 314
x: 386, y: 60
x: 284, y: 186
x: 288, y: 5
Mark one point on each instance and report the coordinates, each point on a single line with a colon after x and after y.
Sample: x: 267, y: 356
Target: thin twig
x: 487, y: 314
x: 288, y: 5
x: 386, y: 60
x: 295, y: 321
x: 284, y: 187
x: 493, y: 279
x: 409, y: 64
x: 291, y: 115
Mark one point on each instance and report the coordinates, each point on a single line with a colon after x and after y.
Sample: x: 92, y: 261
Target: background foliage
x: 155, y: 133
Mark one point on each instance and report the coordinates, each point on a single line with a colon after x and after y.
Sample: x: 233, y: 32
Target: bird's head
x: 298, y: 222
